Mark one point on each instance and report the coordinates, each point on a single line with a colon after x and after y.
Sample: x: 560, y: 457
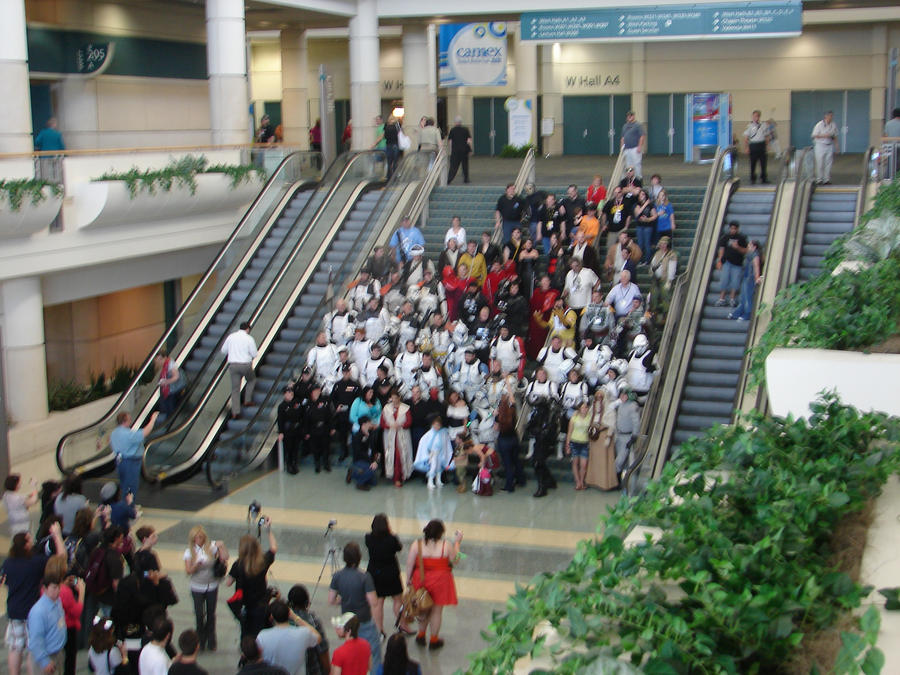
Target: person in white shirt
x: 580, y: 281
x: 240, y: 348
x: 322, y: 358
x: 153, y: 659
x: 622, y: 295
x: 756, y: 136
x: 456, y: 231
x: 824, y: 135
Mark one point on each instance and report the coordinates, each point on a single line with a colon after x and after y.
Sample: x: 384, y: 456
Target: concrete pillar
x: 639, y: 83
x: 24, y: 359
x: 878, y: 91
x: 79, y: 115
x: 295, y: 87
x: 15, y: 96
x: 365, y: 88
x: 417, y: 99
x: 226, y: 56
x: 527, y: 78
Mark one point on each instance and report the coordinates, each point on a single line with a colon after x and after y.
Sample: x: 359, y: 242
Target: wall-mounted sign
x: 520, y: 120
x: 593, y: 81
x: 93, y: 58
x: 777, y: 18
x: 472, y: 54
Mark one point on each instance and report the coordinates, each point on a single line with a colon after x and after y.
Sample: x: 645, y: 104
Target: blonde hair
x: 196, y: 531
x: 57, y: 566
x: 251, y: 555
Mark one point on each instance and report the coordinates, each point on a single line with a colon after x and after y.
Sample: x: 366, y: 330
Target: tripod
x: 330, y: 556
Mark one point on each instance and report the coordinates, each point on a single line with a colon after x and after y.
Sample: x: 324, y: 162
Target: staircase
x: 474, y: 205
x: 720, y: 343
x: 687, y: 202
x: 300, y: 328
x: 832, y: 213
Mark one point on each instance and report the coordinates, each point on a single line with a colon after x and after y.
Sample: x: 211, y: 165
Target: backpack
x: 96, y: 577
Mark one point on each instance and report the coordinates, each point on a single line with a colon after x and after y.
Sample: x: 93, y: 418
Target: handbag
x: 220, y: 569
x: 403, y: 141
x: 417, y: 601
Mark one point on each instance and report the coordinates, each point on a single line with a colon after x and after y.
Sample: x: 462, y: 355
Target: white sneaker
x: 431, y: 484
x: 438, y: 482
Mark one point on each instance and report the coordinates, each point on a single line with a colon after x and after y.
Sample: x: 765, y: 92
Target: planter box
x: 795, y: 377
x: 29, y: 218
x: 109, y: 203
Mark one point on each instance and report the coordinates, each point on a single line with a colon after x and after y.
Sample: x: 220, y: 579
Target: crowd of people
x: 529, y: 340
x: 87, y: 586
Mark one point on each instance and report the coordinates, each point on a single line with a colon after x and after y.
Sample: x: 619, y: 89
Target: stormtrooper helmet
x: 640, y: 344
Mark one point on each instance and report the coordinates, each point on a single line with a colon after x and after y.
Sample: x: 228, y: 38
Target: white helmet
x: 640, y: 344
x: 460, y: 333
x: 606, y: 354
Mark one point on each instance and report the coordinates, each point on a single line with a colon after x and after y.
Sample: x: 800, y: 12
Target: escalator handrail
x: 438, y: 169
x: 526, y: 172
x: 273, y: 284
x: 176, y: 322
x: 394, y: 188
x: 674, y: 333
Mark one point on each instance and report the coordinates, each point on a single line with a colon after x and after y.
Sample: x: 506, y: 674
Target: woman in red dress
x: 437, y: 560
x: 542, y: 301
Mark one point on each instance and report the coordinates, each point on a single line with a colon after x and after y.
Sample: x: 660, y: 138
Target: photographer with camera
x: 249, y: 572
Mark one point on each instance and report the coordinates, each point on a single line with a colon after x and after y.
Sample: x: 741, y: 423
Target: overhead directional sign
x: 667, y: 22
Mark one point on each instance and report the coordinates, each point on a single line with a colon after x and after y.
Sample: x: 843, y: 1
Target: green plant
x: 515, y: 150
x: 887, y: 202
x: 181, y: 173
x: 742, y: 569
x: 17, y: 191
x: 63, y: 395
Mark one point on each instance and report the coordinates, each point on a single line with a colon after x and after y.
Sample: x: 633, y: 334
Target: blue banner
x: 666, y: 22
x: 472, y: 54
x: 705, y: 116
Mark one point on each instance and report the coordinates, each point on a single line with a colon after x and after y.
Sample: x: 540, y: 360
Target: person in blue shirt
x: 49, y: 137
x: 404, y: 239
x: 128, y: 446
x: 47, y: 628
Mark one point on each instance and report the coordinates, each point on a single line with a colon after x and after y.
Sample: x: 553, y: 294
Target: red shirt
x: 71, y: 608
x: 353, y: 657
x: 596, y: 194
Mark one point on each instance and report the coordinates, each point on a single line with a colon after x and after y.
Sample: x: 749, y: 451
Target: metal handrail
x: 188, y: 304
x: 864, y: 185
x: 366, y: 235
x: 526, y: 171
x: 653, y: 433
x: 431, y: 180
x: 261, y: 305
x: 93, y: 152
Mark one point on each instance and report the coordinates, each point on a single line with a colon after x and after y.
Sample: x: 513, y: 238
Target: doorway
x: 851, y: 115
x: 665, y: 124
x: 592, y: 125
x: 490, y: 128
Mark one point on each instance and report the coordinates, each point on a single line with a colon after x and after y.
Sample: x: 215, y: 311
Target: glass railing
x: 87, y: 449
x: 266, y: 306
x: 254, y: 443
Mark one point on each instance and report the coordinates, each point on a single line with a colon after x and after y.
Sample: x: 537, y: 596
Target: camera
x: 254, y: 509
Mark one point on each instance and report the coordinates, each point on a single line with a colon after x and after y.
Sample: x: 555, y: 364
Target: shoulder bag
x: 403, y: 141
x: 417, y: 601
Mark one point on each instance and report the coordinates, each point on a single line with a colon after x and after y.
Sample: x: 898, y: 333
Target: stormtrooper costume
x: 323, y: 361
x: 394, y: 299
x: 338, y: 326
x: 557, y: 363
x: 406, y: 367
x: 440, y: 341
x: 429, y: 378
x: 408, y: 328
x: 459, y: 340
x: 571, y: 395
x: 469, y: 380
x: 510, y: 352
x: 428, y: 297
x: 595, y: 362
x: 359, y: 352
x: 361, y: 293
x: 640, y: 371
x: 375, y: 322
x: 370, y: 370
x: 337, y: 374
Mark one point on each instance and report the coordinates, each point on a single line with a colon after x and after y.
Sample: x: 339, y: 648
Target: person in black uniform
x: 345, y: 391
x: 460, y: 147
x: 318, y: 423
x: 289, y: 429
x: 516, y: 309
x: 364, y: 468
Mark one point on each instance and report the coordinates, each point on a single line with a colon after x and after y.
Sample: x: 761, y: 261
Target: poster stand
x: 707, y: 122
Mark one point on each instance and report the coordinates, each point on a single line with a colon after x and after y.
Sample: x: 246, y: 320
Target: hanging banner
x: 472, y: 54
x: 519, y: 111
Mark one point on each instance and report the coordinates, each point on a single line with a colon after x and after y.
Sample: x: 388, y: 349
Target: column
x: 879, y: 111
x: 417, y: 99
x: 294, y: 87
x: 226, y: 57
x: 527, y: 78
x: 15, y: 96
x: 24, y: 360
x: 365, y: 90
x: 639, y: 83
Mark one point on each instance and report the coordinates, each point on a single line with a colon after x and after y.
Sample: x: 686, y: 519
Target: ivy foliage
x: 181, y: 173
x: 16, y: 192
x: 854, y: 302
x: 741, y: 571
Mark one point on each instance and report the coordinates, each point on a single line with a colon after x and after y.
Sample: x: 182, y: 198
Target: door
x: 665, y: 124
x: 490, y: 129
x: 856, y: 134
x: 41, y: 106
x: 341, y: 116
x: 586, y: 122
x: 621, y: 104
x: 851, y: 115
x: 273, y: 110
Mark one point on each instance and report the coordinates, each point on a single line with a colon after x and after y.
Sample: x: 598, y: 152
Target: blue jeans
x: 731, y: 277
x: 363, y: 474
x: 369, y: 632
x: 508, y: 227
x: 508, y: 447
x: 645, y: 241
x: 745, y: 305
x: 129, y: 475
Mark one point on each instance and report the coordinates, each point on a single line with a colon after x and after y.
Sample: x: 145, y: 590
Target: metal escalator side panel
x: 90, y: 443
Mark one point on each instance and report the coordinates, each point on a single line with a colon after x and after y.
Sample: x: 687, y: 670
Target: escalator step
x: 713, y: 408
x: 715, y: 394
x: 735, y: 338
x: 701, y: 422
x: 720, y: 352
x: 714, y: 365
x: 710, y: 379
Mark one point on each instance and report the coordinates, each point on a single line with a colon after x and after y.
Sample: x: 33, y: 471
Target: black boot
x: 541, y: 492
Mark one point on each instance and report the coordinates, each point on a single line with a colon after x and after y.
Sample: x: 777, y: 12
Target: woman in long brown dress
x: 601, y: 469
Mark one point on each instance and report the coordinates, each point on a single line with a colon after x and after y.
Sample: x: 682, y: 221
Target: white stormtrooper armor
x: 640, y: 370
x: 338, y: 326
x: 429, y: 378
x: 406, y: 366
x: 541, y: 390
x: 393, y: 300
x: 557, y: 363
x: 370, y: 369
x: 337, y: 373
x: 359, y: 352
x: 508, y: 352
x: 470, y: 379
x: 376, y: 324
x: 322, y: 360
x: 572, y: 394
x: 408, y: 328
x: 428, y: 298
x: 595, y: 362
x: 360, y: 294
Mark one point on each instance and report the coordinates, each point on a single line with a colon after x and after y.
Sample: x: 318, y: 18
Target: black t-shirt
x: 570, y: 205
x: 459, y: 137
x: 510, y: 208
x: 616, y: 215
x: 23, y: 579
x: 391, y: 133
x: 732, y: 255
x: 254, y: 587
x: 186, y: 669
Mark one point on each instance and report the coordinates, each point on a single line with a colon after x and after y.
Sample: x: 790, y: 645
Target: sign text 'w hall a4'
x: 777, y: 18
x: 472, y: 54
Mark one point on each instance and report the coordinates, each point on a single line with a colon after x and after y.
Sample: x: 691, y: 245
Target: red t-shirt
x: 353, y: 657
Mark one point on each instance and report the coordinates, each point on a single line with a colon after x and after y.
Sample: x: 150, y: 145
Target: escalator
x: 720, y: 342
x: 832, y: 213
x: 228, y: 447
x: 281, y: 220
